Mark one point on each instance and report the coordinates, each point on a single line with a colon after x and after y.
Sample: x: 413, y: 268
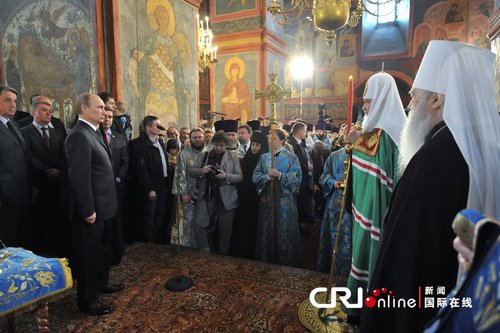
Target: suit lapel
x: 103, y: 142
x: 98, y: 137
x: 52, y: 138
x: 38, y: 137
x: 299, y: 149
x: 5, y: 130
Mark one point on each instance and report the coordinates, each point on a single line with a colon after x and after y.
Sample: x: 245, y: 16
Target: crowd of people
x: 248, y: 190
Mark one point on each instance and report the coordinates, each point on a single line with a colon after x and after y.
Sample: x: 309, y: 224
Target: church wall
x: 52, y: 47
x: 276, y: 64
x: 251, y: 46
x: 49, y: 47
x: 332, y: 69
x: 159, y: 60
x: 236, y: 25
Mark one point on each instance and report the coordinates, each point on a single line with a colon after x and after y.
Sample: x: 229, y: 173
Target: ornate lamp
x: 327, y: 15
x: 330, y: 15
x: 207, y: 52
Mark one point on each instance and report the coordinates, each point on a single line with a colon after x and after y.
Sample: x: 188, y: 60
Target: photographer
x: 217, y: 196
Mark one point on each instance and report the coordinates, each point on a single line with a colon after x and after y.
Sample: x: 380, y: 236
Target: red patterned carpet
x: 228, y: 295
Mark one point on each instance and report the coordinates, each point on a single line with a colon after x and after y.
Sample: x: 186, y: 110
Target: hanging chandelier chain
x: 293, y: 10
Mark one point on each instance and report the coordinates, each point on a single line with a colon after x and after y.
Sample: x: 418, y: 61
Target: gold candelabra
x: 207, y: 52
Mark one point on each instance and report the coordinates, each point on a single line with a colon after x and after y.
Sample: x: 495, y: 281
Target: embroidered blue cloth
x: 474, y: 304
x: 26, y: 278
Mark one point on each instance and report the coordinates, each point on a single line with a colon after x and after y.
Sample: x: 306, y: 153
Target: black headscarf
x: 250, y: 159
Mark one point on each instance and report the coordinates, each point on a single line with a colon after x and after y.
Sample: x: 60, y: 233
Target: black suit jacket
x: 301, y: 154
x: 119, y: 153
x: 24, y: 119
x: 45, y: 159
x: 90, y: 173
x: 20, y: 118
x: 318, y: 164
x: 15, y: 159
x: 148, y: 168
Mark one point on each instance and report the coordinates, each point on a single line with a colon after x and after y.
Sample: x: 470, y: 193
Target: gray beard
x: 417, y: 127
x: 198, y: 148
x: 232, y: 145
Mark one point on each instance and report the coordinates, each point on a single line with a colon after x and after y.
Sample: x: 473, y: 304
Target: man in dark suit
x: 121, y: 121
x: 150, y: 166
x: 15, y: 180
x: 49, y: 176
x: 92, y: 182
x: 24, y: 119
x: 296, y: 140
x: 119, y: 153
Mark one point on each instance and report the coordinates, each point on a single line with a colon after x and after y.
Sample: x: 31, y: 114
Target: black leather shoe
x: 97, y: 309
x: 112, y: 288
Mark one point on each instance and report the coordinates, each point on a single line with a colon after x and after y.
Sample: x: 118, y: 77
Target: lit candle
x: 199, y: 22
x: 350, y: 98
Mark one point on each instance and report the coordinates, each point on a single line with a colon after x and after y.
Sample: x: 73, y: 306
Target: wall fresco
x: 479, y: 13
x: 224, y: 7
x: 276, y: 64
x: 160, y: 75
x: 232, y: 26
x: 325, y: 65
x: 235, y: 82
x: 49, y: 47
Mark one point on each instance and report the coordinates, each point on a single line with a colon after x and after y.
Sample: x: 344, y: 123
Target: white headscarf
x: 386, y: 111
x: 464, y: 74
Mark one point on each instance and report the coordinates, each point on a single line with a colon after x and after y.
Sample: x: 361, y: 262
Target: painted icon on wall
x: 454, y: 14
x: 236, y: 99
x: 347, y: 46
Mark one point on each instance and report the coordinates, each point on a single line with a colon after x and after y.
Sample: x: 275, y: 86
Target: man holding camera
x: 217, y: 196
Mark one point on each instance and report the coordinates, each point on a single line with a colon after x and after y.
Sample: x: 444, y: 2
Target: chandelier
x: 207, y: 52
x: 327, y: 15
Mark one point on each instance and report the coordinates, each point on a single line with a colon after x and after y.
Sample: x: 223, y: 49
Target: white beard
x: 417, y: 127
x: 364, y: 125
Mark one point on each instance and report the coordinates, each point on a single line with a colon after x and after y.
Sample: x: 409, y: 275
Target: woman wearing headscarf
x: 278, y: 238
x: 245, y: 222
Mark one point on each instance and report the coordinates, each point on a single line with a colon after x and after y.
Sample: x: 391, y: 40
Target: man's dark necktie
x: 45, y: 137
x: 13, y: 131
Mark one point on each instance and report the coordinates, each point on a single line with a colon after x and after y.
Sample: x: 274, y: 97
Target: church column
x: 250, y: 46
